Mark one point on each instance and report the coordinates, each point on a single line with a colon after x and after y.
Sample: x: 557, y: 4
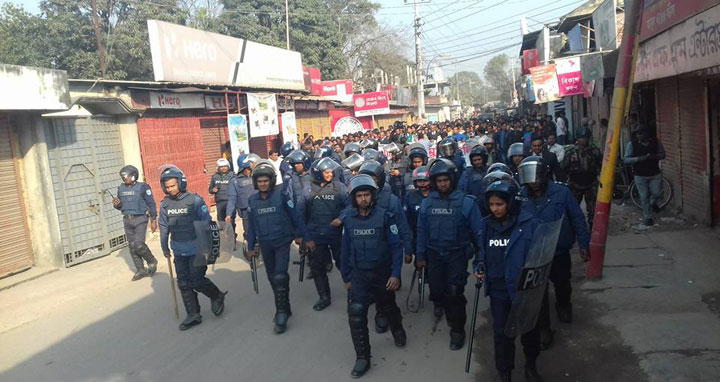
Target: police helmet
x: 372, y: 154
x: 351, y: 148
x: 392, y: 148
x: 319, y: 166
x: 369, y: 143
x: 173, y: 172
x: 533, y: 170
x: 374, y: 169
x: 499, y: 166
x: 443, y: 166
x: 129, y: 171
x: 222, y: 162
x: 362, y: 182
x: 515, y: 149
x: 286, y: 149
x: 486, y: 139
x: 399, y: 136
x: 507, y: 190
x: 299, y: 156
x: 495, y: 176
x: 479, y: 150
x: 417, y: 152
x: 242, y: 162
x: 353, y: 162
x: 264, y: 168
x: 323, y: 152
x: 447, y: 148
x: 420, y: 173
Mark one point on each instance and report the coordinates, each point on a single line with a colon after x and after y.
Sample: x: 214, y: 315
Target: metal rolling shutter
x: 315, y: 123
x: 214, y: 137
x: 669, y: 134
x: 85, y: 156
x: 15, y: 249
x: 177, y: 141
x: 693, y: 142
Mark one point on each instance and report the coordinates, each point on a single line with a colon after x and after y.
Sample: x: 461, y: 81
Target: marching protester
x: 179, y: 211
x: 135, y: 200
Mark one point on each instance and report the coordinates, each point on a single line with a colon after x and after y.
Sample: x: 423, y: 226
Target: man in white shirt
x: 555, y: 148
x: 274, y: 157
x: 561, y: 128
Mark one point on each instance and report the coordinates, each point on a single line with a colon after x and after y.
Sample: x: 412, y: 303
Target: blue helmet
x: 443, y: 166
x: 319, y: 166
x: 286, y: 149
x: 129, y: 171
x: 300, y: 156
x: 173, y: 172
x: 323, y: 152
x: 507, y: 190
x: 242, y: 162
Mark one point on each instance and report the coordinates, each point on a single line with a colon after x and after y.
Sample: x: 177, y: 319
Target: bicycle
x: 625, y: 188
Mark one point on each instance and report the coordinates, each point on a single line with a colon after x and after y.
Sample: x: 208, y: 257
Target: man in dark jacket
x: 537, y: 147
x: 644, y: 153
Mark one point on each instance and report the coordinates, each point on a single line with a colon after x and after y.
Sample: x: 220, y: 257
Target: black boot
x: 357, y: 318
x: 531, y: 374
x: 192, y: 308
x: 505, y: 376
x: 437, y: 310
x: 564, y: 313
x: 139, y: 265
x: 381, y: 323
x: 281, y: 287
x: 457, y: 340
x: 139, y: 274
x: 396, y: 328
x: 323, y: 288
x: 217, y: 298
x: 152, y: 268
x: 454, y: 304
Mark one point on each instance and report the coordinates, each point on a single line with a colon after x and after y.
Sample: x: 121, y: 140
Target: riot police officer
x: 351, y: 165
x: 241, y: 187
x: 220, y: 187
x: 515, y: 154
x: 274, y: 221
x: 390, y: 202
x: 285, y: 150
x: 135, y: 200
x: 507, y: 236
x: 296, y: 180
x: 448, y: 149
x: 549, y: 201
x: 322, y: 202
x: 351, y: 148
x: 417, y: 157
x: 397, y: 167
x: 471, y: 179
x: 179, y: 211
x: 447, y: 222
x: 371, y: 265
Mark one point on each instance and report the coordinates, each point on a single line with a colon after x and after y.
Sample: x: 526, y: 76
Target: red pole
x: 623, y: 87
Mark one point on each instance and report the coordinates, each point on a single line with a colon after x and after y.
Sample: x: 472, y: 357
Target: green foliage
x: 498, y: 75
x: 469, y: 88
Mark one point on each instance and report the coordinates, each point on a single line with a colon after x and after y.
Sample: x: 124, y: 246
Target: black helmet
x: 369, y: 143
x: 516, y: 148
x: 351, y: 148
x: 447, y: 148
x: 399, y: 136
x: 392, y: 148
x: 374, y: 169
x: 286, y: 149
x: 492, y: 177
x: 507, y: 190
x: 443, y: 166
x: 361, y: 183
x: 264, y: 168
x: 499, y: 166
x: 533, y: 169
x: 299, y: 156
x: 173, y: 172
x: 323, y: 152
x: 129, y: 171
x: 479, y: 150
x: 420, y: 173
x: 417, y: 152
x: 319, y: 166
x: 372, y: 154
x: 353, y: 162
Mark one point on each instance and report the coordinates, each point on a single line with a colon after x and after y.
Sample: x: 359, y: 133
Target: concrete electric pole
x: 418, y: 64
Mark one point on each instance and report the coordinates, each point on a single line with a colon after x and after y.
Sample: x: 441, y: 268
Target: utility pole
x: 418, y: 64
x: 287, y: 25
x: 101, y: 53
x: 512, y: 93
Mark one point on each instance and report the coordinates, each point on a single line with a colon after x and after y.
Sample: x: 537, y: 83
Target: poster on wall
x: 263, y: 114
x: 569, y: 76
x: 545, y: 83
x: 289, y: 128
x: 238, y: 132
x: 347, y: 125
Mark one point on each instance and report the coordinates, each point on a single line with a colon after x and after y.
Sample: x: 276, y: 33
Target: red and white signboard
x: 569, y: 76
x: 313, y: 80
x: 367, y: 104
x: 340, y: 90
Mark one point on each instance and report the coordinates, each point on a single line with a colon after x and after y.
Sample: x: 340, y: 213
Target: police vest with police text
x: 271, y: 220
x: 368, y: 241
x: 446, y: 224
x: 181, y: 215
x: 131, y: 199
x: 222, y: 182
x: 324, y: 206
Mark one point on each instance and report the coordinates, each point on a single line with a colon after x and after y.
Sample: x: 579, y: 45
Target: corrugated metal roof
x: 582, y: 12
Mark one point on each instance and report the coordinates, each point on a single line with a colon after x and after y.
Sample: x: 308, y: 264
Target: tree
x: 468, y: 88
x: 498, y: 75
x: 383, y: 54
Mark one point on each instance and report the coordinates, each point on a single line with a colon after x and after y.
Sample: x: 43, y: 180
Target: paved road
x: 90, y: 323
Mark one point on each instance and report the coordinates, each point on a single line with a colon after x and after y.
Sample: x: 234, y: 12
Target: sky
x: 462, y: 34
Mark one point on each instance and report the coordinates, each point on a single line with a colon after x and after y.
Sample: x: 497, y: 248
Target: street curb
x: 33, y: 277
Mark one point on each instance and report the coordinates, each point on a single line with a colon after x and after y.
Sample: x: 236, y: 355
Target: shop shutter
x: 15, y: 249
x: 666, y: 106
x: 85, y: 155
x: 175, y: 141
x: 315, y: 123
x: 214, y: 137
x: 693, y: 144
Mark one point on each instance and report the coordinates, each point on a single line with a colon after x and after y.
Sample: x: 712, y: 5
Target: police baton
x: 253, y: 273
x: 172, y: 288
x: 303, y: 250
x: 421, y: 287
x: 478, y: 286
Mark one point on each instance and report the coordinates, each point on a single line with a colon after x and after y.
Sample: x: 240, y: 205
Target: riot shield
x: 227, y: 242
x: 207, y: 238
x: 533, y: 279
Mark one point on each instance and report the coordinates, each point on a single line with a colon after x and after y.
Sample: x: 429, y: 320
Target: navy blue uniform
x: 471, y: 182
x: 177, y: 215
x: 503, y: 251
x: 136, y: 204
x: 222, y: 183
x: 241, y: 187
x: 445, y: 230
x: 411, y: 206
